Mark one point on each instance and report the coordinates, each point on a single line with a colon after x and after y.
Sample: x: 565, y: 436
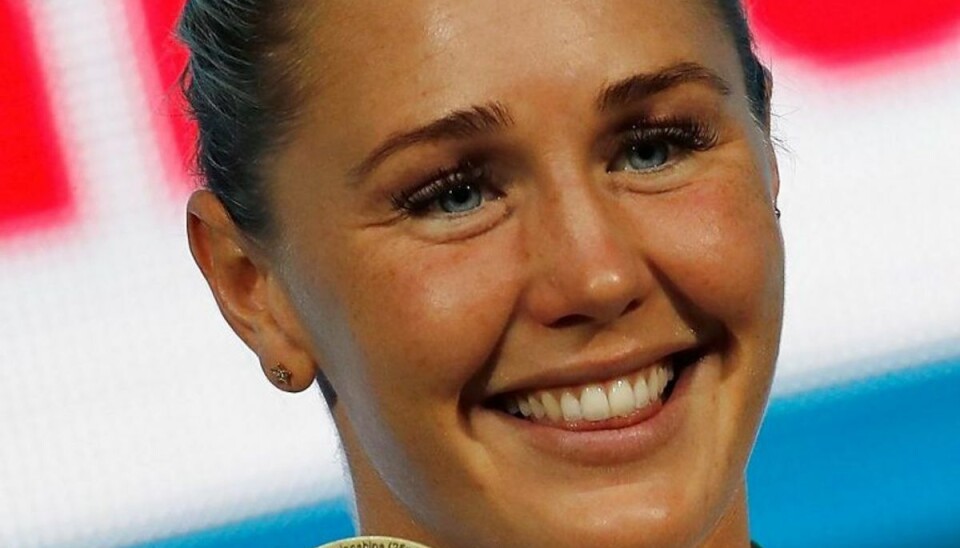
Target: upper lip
x: 595, y: 369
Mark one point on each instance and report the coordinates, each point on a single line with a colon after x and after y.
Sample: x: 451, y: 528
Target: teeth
x: 653, y: 382
x: 537, y: 407
x: 594, y: 403
x: 552, y: 407
x: 570, y: 406
x: 524, y: 406
x: 617, y: 398
x: 661, y: 379
x: 641, y: 393
x: 621, y: 398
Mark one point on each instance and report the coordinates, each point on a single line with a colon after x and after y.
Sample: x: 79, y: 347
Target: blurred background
x: 131, y: 416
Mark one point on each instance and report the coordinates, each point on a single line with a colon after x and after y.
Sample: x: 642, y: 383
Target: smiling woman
x: 529, y: 250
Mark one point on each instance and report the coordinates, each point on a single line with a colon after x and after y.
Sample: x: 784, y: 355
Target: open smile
x: 612, y: 403
x: 594, y: 405
x: 605, y: 421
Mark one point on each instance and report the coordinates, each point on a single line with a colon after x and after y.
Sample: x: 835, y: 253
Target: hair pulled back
x: 242, y: 85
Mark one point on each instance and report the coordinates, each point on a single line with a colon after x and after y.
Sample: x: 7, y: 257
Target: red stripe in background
x: 844, y: 32
x: 165, y: 58
x: 34, y: 190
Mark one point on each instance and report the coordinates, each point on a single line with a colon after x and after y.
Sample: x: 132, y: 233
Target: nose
x: 585, y: 268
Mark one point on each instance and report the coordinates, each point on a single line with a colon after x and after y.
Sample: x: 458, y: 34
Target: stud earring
x: 281, y: 374
x: 776, y: 211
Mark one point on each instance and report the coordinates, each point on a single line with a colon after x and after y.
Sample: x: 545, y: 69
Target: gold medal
x: 374, y: 542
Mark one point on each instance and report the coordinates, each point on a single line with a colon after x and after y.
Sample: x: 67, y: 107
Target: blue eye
x: 460, y: 199
x: 453, y: 192
x: 650, y: 145
x: 646, y: 156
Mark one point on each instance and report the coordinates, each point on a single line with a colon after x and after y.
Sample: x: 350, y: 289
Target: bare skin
x: 584, y: 229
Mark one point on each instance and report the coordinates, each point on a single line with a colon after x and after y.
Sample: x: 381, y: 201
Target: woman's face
x: 488, y: 201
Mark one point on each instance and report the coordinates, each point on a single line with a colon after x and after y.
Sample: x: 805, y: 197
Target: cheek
x: 718, y: 247
x: 721, y: 247
x: 429, y: 317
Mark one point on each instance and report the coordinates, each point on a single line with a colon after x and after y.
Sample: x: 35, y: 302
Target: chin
x: 629, y: 515
x: 663, y: 477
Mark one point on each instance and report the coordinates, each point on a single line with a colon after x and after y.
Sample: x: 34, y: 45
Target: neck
x: 733, y: 528
x: 379, y: 512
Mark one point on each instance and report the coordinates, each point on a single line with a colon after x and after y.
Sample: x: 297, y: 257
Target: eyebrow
x: 460, y: 124
x: 489, y: 118
x: 640, y: 86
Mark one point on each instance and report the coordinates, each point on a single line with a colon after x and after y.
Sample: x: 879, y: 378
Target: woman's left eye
x: 642, y: 156
x: 652, y: 145
x: 460, y: 199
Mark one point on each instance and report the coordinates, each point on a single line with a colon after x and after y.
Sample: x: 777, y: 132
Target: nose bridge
x: 583, y: 266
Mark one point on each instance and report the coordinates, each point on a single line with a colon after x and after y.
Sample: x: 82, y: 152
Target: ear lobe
x: 245, y: 291
x: 283, y: 347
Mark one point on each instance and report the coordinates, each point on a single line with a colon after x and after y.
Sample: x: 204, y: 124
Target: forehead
x: 458, y: 38
x: 401, y: 62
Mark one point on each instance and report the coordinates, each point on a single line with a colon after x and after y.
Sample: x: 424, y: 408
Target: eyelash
x: 686, y: 134
x: 418, y: 200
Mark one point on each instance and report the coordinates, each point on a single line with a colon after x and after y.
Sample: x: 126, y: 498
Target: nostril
x: 571, y: 320
x: 631, y: 306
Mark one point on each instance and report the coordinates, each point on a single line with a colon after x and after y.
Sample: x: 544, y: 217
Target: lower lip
x: 612, y: 445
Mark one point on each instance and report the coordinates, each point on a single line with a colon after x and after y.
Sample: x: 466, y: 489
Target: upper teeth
x: 595, y: 402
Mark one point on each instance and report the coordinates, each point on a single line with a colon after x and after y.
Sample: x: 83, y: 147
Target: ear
x: 249, y: 294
